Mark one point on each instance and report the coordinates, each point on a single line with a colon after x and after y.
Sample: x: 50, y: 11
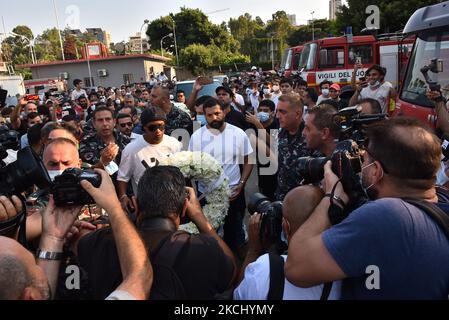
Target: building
x: 334, y: 7
x: 112, y: 71
x: 292, y: 19
x: 135, y: 43
x: 100, y: 35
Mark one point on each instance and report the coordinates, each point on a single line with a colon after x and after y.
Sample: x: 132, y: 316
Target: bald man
x: 176, y: 118
x: 298, y: 205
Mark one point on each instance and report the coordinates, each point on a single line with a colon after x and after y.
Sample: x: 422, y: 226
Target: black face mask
x: 216, y: 124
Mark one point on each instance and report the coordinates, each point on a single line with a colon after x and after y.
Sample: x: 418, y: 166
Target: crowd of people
x: 129, y: 245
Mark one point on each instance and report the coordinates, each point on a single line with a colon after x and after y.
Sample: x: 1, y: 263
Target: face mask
x: 54, y: 173
x: 366, y: 190
x: 201, y: 118
x: 263, y: 116
x: 325, y: 92
x: 376, y: 84
x: 276, y: 88
x: 266, y: 91
x: 442, y: 179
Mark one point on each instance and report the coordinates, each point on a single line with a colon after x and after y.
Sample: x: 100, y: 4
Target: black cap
x: 152, y: 114
x: 225, y: 88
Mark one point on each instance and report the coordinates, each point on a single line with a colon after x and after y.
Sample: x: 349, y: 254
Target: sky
x: 125, y: 18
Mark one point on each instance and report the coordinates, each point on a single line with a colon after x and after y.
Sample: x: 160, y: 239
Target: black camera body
x: 271, y: 224
x: 67, y: 189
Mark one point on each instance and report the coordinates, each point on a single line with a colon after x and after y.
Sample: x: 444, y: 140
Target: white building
x: 334, y: 7
x: 292, y: 19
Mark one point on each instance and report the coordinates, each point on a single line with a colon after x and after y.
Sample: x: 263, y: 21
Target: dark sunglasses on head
x: 128, y: 124
x: 155, y: 127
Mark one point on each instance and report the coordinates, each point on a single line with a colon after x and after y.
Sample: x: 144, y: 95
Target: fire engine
x: 333, y: 59
x: 290, y: 61
x: 429, y: 62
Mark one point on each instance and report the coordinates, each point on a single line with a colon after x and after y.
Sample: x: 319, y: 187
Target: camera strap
x: 433, y: 211
x: 277, y: 277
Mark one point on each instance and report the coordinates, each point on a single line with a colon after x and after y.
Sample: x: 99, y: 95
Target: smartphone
x: 205, y: 80
x: 32, y: 97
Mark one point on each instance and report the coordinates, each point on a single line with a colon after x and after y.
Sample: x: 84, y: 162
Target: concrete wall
x: 138, y: 67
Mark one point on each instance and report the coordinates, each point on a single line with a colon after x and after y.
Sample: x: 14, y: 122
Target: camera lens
x: 258, y: 203
x: 312, y: 169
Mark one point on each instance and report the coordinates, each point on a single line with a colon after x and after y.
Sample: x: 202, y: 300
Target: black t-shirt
x: 237, y: 119
x: 202, y: 265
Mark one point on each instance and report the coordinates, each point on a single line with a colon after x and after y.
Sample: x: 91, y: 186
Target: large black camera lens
x: 312, y: 169
x: 258, y: 203
x: 27, y: 171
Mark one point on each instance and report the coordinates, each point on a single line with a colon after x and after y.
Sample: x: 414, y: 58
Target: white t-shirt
x: 240, y: 101
x: 322, y: 98
x: 254, y: 100
x: 131, y: 167
x: 381, y: 94
x: 275, y: 98
x: 228, y: 147
x: 120, y: 295
x: 76, y: 94
x: 256, y: 284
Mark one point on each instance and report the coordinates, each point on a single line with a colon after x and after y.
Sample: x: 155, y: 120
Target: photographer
x: 399, y: 241
x: 24, y: 278
x: 162, y: 199
x: 320, y: 131
x: 256, y: 272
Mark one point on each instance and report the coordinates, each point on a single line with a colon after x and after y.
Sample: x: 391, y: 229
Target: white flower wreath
x: 202, y: 167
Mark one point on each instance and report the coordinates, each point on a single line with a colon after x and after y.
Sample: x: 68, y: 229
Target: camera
x: 271, y: 224
x: 17, y: 177
x: 67, y: 190
x: 9, y: 139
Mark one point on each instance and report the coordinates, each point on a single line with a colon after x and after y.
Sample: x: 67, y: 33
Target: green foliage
x: 394, y: 14
x: 197, y: 58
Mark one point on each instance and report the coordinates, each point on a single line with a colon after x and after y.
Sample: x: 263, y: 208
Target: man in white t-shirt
x: 78, y: 91
x: 376, y: 88
x: 238, y: 103
x: 144, y: 152
x: 298, y: 205
x: 230, y: 146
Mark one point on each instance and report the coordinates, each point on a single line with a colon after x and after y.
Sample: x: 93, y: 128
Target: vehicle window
x: 365, y: 52
x: 332, y: 57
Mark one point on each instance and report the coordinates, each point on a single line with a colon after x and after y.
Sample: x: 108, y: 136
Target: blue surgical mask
x: 201, y: 118
x: 263, y: 116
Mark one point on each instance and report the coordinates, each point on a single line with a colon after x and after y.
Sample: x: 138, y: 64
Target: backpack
x: 166, y: 283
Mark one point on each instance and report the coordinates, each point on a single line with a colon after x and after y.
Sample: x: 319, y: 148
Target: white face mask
x: 325, y: 92
x: 266, y: 91
x: 54, y: 173
x: 376, y: 84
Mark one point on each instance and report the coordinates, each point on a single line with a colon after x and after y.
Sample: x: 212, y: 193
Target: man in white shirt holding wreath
x: 230, y: 146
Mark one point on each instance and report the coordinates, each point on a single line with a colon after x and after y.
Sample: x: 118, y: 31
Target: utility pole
x: 59, y: 31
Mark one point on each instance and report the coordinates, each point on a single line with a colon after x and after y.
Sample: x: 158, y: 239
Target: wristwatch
x: 48, y: 255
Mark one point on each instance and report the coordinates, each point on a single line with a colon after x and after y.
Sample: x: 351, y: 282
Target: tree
x: 198, y: 58
x: 322, y: 27
x: 394, y: 14
x: 70, y: 48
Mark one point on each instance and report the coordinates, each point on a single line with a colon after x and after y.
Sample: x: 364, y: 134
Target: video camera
x: 351, y: 122
x: 271, y: 224
x: 435, y: 66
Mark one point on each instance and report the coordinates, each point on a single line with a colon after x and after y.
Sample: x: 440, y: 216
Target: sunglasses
x: 155, y: 127
x: 128, y: 124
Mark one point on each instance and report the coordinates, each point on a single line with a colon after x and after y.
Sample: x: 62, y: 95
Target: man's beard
x: 216, y: 124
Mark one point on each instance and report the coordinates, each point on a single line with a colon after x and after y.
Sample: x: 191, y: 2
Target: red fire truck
x: 429, y: 62
x: 290, y: 61
x: 333, y: 59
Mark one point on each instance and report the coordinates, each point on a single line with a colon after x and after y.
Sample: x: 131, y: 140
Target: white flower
x: 205, y: 169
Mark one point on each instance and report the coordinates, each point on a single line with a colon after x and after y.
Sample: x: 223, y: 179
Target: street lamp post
x: 162, y: 41
x: 146, y: 21
x: 176, y: 44
x: 313, y: 27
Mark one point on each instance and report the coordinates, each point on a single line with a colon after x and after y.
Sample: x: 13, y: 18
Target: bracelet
x: 242, y: 182
x: 48, y: 255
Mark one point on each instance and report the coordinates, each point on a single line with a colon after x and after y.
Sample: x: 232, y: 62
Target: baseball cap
x: 335, y: 86
x: 152, y: 114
